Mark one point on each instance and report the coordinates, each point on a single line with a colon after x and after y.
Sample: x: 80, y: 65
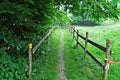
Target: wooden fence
x: 32, y: 50
x: 106, y: 49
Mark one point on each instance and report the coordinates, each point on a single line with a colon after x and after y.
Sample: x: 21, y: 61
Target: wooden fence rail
x: 106, y: 49
x: 41, y: 41
x: 95, y: 59
x: 33, y: 50
x: 91, y: 42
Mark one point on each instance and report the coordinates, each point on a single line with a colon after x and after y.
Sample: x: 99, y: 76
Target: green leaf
x: 11, y: 75
x: 6, y: 8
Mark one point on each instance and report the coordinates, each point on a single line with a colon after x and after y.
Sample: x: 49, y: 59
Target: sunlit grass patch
x: 77, y: 66
x: 99, y: 35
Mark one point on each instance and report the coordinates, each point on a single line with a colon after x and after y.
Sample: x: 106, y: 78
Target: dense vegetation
x: 22, y: 22
x: 25, y: 21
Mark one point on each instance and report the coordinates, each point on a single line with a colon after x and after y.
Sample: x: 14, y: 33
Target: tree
x: 24, y: 21
x: 92, y: 9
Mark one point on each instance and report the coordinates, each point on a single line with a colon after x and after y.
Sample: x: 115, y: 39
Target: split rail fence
x: 106, y: 49
x: 32, y: 50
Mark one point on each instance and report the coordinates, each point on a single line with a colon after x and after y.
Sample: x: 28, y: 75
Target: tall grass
x: 99, y: 35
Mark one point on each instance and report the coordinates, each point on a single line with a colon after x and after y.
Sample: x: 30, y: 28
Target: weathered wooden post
x: 30, y: 61
x: 73, y: 33
x: 69, y: 28
x: 49, y: 36
x: 86, y: 39
x: 77, y: 38
x: 108, y: 50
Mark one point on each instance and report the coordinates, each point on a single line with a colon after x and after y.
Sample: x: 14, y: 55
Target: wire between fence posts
x: 30, y: 61
x: 108, y: 52
x: 86, y: 41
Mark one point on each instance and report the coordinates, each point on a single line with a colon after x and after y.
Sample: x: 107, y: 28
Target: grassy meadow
x: 99, y: 35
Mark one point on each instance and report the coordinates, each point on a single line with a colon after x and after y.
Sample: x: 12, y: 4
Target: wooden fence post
x: 48, y: 36
x: 77, y: 38
x: 86, y: 39
x: 30, y: 61
x: 73, y: 33
x: 71, y: 30
x: 107, y: 59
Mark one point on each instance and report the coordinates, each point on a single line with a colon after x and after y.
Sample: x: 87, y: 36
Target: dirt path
x: 61, y: 66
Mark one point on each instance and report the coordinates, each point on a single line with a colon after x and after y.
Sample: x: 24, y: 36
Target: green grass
x: 99, y: 35
x: 78, y: 67
x: 45, y: 66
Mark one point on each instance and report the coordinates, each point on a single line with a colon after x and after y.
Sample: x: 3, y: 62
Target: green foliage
x: 6, y: 7
x: 21, y: 22
x: 92, y: 9
x: 63, y: 20
x: 25, y: 21
x: 10, y: 70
